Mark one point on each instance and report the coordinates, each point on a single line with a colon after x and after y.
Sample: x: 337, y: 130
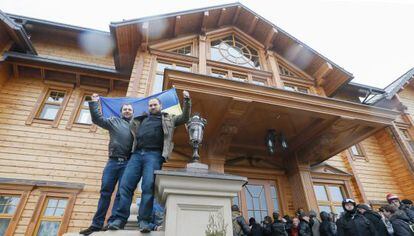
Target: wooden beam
x: 177, y: 25
x: 221, y: 17
x: 42, y: 74
x: 236, y: 15
x: 111, y: 85
x: 15, y: 71
x: 253, y: 25
x: 78, y: 80
x: 323, y: 70
x: 145, y: 36
x: 269, y: 38
x: 204, y: 23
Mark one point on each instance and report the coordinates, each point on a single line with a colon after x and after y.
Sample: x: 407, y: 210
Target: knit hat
x: 391, y: 197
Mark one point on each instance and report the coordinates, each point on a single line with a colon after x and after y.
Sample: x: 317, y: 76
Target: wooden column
x: 216, y: 163
x: 202, y: 51
x: 274, y: 67
x: 301, y: 183
x: 133, y: 87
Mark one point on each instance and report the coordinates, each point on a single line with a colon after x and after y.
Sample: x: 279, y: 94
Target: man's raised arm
x: 96, y: 115
x: 185, y: 116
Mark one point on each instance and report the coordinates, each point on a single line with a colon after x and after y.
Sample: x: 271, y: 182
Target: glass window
x: 407, y: 137
x: 159, y: 74
x: 219, y: 73
x: 320, y: 193
x: 296, y: 88
x: 239, y: 77
x: 232, y: 50
x: 256, y: 202
x: 51, y: 105
x: 51, y: 217
x: 329, y: 197
x: 235, y: 201
x: 356, y: 150
x: 257, y: 82
x: 273, y: 194
x: 184, y: 50
x: 8, y: 205
x: 84, y: 115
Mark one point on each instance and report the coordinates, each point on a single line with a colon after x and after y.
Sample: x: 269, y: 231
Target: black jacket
x: 354, y: 225
x: 120, y: 136
x: 409, y: 212
x: 376, y: 220
x: 304, y: 229
x: 325, y: 228
x: 277, y: 228
x: 256, y: 230
x: 400, y: 224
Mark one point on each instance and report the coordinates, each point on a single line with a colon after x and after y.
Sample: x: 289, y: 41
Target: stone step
x: 121, y: 233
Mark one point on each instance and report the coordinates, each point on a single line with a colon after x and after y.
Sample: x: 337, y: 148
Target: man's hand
x: 95, y: 97
x: 186, y: 94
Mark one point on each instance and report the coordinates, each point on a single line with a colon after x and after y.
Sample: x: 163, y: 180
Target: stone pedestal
x: 191, y: 196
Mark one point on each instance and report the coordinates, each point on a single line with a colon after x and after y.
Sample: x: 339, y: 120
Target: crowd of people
x: 394, y: 219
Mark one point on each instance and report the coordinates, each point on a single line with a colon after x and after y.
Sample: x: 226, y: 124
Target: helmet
x: 391, y: 197
x: 348, y: 200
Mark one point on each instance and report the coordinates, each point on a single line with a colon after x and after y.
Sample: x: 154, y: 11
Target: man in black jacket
x: 278, y: 227
x: 304, y: 225
x: 352, y: 223
x: 325, y: 228
x: 399, y: 220
x: 119, y: 150
x: 374, y: 218
x: 395, y: 200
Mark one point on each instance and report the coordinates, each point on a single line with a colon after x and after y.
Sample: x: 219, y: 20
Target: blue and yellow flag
x: 169, y: 100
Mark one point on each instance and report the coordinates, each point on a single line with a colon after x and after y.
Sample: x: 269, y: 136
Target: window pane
x: 56, y: 96
x: 273, y: 194
x: 4, y: 223
x: 183, y: 68
x: 355, y: 151
x: 290, y: 88
x: 50, y: 211
x: 59, y: 212
x: 302, y: 90
x: 84, y: 117
x: 335, y: 193
x: 220, y: 74
x: 235, y: 201
x: 239, y: 77
x: 258, y: 82
x: 161, y: 66
x: 49, y: 112
x: 157, y: 86
x: 86, y: 101
x: 48, y: 228
x: 62, y: 203
x: 8, y: 204
x: 256, y: 201
x: 338, y: 209
x: 52, y: 203
x: 325, y: 208
x: 320, y: 193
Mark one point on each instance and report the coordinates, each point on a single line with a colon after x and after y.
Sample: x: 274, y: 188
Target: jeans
x: 142, y: 164
x: 113, y: 172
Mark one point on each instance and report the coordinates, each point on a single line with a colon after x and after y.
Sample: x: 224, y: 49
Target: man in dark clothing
x: 399, y: 220
x: 325, y: 228
x: 374, y: 218
x: 352, y: 223
x: 267, y: 226
x: 314, y: 223
x: 278, y: 227
x: 255, y: 228
x: 304, y: 226
x: 394, y: 200
x: 120, y: 144
x: 294, y: 229
x: 240, y: 227
x: 152, y: 144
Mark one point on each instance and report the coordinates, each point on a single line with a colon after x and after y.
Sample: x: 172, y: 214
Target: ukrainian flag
x: 169, y: 99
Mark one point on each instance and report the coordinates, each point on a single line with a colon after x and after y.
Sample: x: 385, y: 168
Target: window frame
x: 359, y: 147
x: 155, y: 72
x: 33, y: 117
x: 407, y: 138
x: 329, y: 202
x: 177, y: 47
x: 77, y: 108
x: 296, y: 88
x: 23, y: 192
x: 47, y: 193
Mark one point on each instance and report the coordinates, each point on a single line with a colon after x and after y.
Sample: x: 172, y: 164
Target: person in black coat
x: 267, y: 226
x: 352, y: 223
x: 374, y: 218
x: 399, y: 220
x: 278, y: 226
x: 256, y: 229
x: 304, y: 226
x: 394, y: 200
x: 325, y: 228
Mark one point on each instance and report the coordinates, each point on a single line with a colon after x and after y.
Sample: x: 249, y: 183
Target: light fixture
x: 195, y: 127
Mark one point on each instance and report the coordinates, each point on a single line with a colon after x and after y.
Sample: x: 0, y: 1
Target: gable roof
x: 399, y: 83
x: 325, y: 168
x: 129, y: 35
x: 17, y: 33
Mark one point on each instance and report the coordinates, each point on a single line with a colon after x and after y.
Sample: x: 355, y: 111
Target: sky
x: 372, y: 39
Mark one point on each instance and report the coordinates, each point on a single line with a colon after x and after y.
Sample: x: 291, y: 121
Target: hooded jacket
x: 376, y: 220
x: 400, y: 223
x: 355, y: 224
x: 326, y: 229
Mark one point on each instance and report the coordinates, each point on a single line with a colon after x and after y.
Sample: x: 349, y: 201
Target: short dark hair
x: 126, y: 104
x: 159, y: 101
x: 390, y: 208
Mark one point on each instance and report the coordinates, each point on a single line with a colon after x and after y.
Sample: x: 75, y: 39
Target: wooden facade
x: 338, y: 147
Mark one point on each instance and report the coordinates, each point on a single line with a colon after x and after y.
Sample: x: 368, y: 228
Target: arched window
x: 231, y: 49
